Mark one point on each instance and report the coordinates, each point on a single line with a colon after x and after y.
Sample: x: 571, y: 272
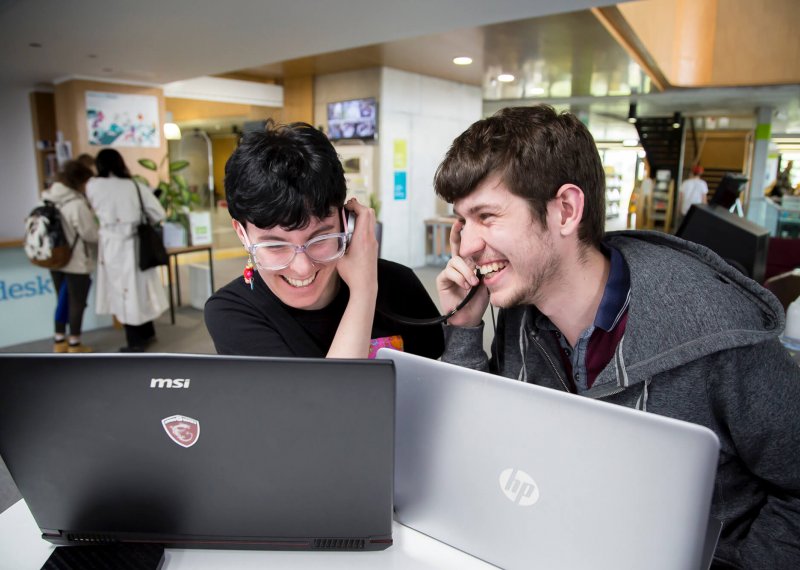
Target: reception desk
x: 783, y: 220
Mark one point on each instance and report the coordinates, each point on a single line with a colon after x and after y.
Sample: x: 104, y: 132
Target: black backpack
x: 45, y: 241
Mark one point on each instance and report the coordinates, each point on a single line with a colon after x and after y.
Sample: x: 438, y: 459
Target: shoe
x: 78, y: 348
x: 132, y: 349
x: 60, y: 346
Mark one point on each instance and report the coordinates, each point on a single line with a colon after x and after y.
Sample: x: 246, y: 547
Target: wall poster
x: 122, y: 119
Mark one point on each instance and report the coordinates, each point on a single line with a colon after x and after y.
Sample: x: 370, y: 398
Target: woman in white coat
x: 134, y: 297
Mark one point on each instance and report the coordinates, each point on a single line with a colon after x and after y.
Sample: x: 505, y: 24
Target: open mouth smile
x: 489, y: 270
x: 298, y: 283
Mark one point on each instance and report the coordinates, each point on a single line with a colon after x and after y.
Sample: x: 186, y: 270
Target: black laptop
x: 202, y: 451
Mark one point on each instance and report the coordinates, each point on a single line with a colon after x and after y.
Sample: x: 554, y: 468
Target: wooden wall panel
x: 43, y: 119
x: 719, y: 43
x: 725, y: 150
x: 654, y: 22
x: 221, y: 148
x: 70, y: 100
x: 185, y: 110
x: 757, y: 43
x: 298, y: 99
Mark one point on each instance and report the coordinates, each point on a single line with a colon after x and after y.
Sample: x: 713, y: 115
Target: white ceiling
x: 158, y: 41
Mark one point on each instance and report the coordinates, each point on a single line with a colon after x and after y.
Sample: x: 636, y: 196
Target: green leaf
x: 164, y: 187
x: 180, y: 181
x: 141, y: 179
x: 178, y: 165
x: 148, y: 164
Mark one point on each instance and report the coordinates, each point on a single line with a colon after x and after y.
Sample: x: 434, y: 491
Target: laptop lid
x: 528, y: 477
x: 208, y: 451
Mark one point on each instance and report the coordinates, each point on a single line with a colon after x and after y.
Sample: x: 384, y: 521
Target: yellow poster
x: 400, y: 154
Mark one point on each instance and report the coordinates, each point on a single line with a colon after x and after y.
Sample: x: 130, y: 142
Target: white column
x: 759, y: 177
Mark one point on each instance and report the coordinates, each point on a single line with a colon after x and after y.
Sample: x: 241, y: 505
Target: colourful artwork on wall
x: 121, y: 119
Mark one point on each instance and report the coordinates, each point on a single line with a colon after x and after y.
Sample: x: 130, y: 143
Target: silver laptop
x: 202, y: 451
x: 528, y: 477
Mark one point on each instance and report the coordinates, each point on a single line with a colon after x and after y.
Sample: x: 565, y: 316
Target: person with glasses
x: 311, y: 287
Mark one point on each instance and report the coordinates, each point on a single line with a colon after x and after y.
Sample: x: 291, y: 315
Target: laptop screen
x: 194, y: 450
x: 529, y: 477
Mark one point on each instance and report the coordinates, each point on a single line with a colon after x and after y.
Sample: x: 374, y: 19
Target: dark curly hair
x: 284, y: 176
x: 535, y: 151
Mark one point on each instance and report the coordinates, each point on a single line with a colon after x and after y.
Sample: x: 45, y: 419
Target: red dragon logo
x: 182, y: 430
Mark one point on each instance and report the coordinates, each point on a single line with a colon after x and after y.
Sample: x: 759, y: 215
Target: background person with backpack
x: 80, y: 230
x: 134, y: 297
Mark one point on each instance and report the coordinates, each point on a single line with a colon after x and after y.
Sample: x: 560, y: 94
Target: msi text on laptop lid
x: 205, y: 451
x: 528, y: 477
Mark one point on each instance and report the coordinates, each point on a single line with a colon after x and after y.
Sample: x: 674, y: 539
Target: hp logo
x: 519, y: 487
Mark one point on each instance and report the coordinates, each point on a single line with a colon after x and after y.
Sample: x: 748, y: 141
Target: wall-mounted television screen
x: 355, y: 119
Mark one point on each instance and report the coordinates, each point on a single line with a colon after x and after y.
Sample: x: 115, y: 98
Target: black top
x: 257, y: 323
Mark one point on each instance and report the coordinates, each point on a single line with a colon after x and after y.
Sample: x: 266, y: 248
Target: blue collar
x: 617, y: 294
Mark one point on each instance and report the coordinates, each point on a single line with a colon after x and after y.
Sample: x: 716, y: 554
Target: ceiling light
x: 630, y: 142
x: 505, y: 78
x: 676, y: 120
x: 462, y: 60
x: 533, y: 91
x: 172, y: 132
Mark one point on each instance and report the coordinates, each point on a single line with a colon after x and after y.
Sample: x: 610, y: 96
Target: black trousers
x: 138, y: 335
x: 77, y: 292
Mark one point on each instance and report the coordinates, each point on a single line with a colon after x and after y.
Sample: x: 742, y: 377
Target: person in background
x: 638, y: 319
x: 87, y: 160
x: 305, y: 292
x: 694, y: 190
x: 74, y: 279
x: 134, y: 297
x: 783, y: 182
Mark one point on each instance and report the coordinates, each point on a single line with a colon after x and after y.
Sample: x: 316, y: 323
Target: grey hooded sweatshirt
x: 701, y: 345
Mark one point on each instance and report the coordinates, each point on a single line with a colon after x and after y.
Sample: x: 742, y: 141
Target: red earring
x: 248, y: 272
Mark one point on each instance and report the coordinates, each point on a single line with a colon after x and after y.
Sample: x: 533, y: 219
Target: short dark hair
x: 74, y: 174
x: 109, y: 161
x: 535, y: 151
x: 283, y: 176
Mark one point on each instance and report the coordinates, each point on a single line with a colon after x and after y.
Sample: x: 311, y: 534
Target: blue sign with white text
x: 400, y: 185
x: 28, y: 299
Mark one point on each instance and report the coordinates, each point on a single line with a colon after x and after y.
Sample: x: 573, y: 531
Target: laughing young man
x: 639, y: 319
x: 304, y: 291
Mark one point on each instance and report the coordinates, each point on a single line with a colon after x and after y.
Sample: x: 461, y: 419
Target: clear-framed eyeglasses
x: 276, y: 255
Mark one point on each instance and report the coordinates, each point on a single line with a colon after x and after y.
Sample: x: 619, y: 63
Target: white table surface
x: 22, y: 548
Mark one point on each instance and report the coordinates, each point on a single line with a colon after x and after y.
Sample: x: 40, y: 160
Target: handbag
x: 152, y: 252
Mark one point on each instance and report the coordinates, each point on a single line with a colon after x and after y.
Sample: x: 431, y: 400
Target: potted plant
x: 175, y: 197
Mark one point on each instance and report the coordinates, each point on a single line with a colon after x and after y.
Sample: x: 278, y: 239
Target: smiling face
x: 512, y: 250
x: 303, y: 284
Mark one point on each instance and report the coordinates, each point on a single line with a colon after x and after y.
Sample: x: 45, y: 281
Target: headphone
x: 430, y: 321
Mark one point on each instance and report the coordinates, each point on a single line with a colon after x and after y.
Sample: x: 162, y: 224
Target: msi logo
x: 519, y: 487
x: 170, y: 382
x: 183, y: 430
